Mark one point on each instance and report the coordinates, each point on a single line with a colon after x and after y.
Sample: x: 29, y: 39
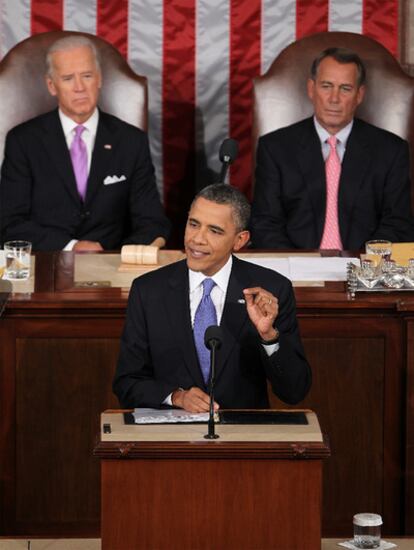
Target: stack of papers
x: 167, y: 416
x: 302, y: 268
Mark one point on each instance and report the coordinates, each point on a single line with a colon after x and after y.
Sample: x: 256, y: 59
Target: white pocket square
x: 113, y: 179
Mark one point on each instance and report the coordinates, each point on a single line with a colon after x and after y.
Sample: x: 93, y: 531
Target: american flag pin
x: 107, y: 146
x: 241, y: 301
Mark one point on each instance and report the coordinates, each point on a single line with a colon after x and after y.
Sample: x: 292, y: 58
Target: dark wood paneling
x: 62, y: 385
x: 409, y: 466
x: 357, y: 388
x: 211, y: 504
x: 7, y: 428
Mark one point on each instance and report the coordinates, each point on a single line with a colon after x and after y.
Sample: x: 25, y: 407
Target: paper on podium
x: 166, y: 416
x: 177, y: 416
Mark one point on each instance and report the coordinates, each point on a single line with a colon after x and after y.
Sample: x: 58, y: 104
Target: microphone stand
x: 224, y: 167
x: 211, y: 425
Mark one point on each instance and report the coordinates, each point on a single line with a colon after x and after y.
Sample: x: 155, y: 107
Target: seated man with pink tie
x: 332, y: 181
x: 78, y: 178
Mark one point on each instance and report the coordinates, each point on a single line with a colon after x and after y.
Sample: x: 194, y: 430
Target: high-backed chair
x: 280, y: 96
x: 23, y: 92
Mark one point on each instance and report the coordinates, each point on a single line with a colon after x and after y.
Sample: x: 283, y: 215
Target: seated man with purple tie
x: 163, y: 359
x: 332, y: 181
x: 78, y: 178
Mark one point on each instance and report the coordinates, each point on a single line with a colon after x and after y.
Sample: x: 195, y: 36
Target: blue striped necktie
x: 205, y: 316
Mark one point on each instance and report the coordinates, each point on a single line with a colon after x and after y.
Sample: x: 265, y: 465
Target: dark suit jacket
x: 39, y: 201
x: 290, y: 194
x: 158, y: 354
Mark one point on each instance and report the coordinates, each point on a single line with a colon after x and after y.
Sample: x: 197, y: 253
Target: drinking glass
x: 367, y: 530
x: 409, y: 274
x: 380, y: 248
x: 369, y: 274
x: 17, y: 254
x: 394, y: 275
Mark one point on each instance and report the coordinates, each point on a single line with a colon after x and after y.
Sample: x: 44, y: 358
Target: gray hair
x: 341, y: 55
x: 70, y: 43
x: 222, y: 193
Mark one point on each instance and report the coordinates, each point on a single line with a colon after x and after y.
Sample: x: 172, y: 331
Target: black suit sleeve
x: 135, y: 383
x: 287, y: 369
x: 268, y: 223
x: 396, y: 222
x: 16, y: 191
x: 147, y: 219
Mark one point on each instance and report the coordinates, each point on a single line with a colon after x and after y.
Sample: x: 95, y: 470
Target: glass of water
x: 368, y: 273
x: 409, y: 277
x: 17, y: 255
x: 380, y: 248
x: 367, y: 530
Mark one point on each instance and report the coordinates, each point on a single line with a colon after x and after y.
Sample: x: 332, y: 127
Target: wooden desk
x: 166, y: 487
x: 58, y: 350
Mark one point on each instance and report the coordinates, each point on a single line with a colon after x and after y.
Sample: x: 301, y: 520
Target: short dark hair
x: 222, y: 193
x: 341, y: 55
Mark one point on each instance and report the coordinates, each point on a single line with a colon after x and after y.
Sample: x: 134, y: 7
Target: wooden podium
x: 257, y: 487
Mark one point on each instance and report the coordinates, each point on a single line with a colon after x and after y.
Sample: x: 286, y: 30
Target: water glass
x: 368, y: 273
x: 17, y: 255
x: 367, y: 530
x: 394, y: 275
x: 380, y: 248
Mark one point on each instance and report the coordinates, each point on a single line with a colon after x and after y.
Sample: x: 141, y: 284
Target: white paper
x: 319, y: 269
x: 167, y: 416
x: 307, y: 268
x: 281, y: 265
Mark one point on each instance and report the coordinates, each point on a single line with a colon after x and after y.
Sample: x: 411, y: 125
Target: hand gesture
x: 262, y: 308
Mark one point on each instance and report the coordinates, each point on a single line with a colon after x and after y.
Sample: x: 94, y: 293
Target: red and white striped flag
x: 200, y: 57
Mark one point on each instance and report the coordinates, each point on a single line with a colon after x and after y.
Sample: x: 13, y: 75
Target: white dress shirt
x: 88, y: 136
x: 342, y: 137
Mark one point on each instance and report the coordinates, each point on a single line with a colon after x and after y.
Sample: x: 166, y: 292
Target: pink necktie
x: 331, y: 237
x: 79, y: 156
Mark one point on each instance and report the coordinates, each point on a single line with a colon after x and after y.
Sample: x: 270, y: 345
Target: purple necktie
x: 205, y: 316
x: 79, y: 156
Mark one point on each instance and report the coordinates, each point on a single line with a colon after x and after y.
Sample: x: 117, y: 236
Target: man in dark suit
x: 367, y: 193
x: 160, y: 359
x: 77, y: 178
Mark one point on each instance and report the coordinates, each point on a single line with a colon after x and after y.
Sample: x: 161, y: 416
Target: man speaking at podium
x: 163, y: 360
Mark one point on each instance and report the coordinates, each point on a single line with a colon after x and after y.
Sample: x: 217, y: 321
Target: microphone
x: 213, y: 338
x: 229, y: 150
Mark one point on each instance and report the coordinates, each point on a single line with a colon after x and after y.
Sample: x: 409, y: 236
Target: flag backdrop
x: 200, y: 57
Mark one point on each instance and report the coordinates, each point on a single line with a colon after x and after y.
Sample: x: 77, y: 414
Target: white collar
x: 342, y: 136
x: 69, y: 125
x: 221, y: 278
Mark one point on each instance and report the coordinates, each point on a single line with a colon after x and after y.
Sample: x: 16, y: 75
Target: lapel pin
x: 241, y: 301
x: 107, y: 146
